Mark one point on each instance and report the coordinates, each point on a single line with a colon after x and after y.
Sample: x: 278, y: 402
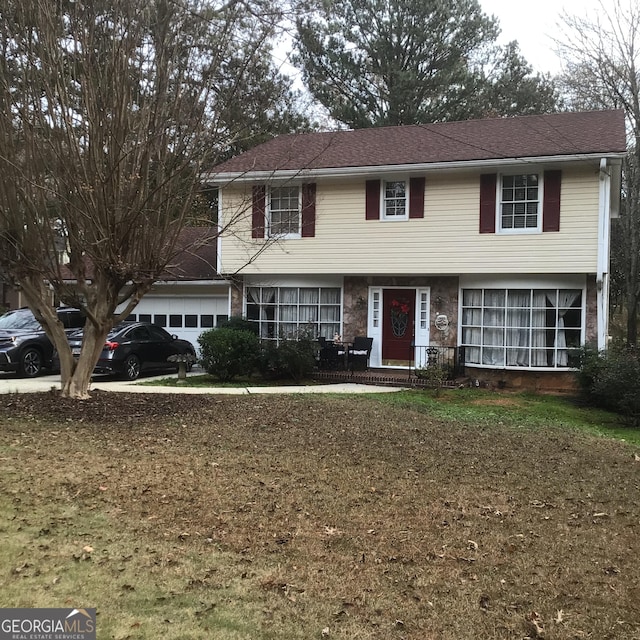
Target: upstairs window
x: 284, y: 211
x: 520, y: 203
x: 394, y: 201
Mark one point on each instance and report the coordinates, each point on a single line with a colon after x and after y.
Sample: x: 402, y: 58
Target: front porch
x: 448, y: 359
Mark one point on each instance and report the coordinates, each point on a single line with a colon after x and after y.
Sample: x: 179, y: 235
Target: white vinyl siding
x: 446, y: 241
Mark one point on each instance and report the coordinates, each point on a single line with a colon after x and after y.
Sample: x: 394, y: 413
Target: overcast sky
x: 534, y: 24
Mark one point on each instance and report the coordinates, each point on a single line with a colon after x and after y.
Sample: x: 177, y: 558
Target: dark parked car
x: 24, y: 346
x: 134, y: 347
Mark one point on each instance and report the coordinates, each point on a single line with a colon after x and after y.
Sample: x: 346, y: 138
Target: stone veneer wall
x: 444, y: 299
x: 236, y: 298
x: 591, y: 329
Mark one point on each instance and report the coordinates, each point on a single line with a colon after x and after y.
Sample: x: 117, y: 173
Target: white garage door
x: 185, y: 316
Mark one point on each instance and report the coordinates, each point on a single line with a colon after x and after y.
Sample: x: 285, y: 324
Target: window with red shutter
x: 488, y: 182
x: 551, y: 204
x: 258, y: 211
x: 372, y: 205
x: 309, y: 210
x: 416, y: 198
x: 395, y: 199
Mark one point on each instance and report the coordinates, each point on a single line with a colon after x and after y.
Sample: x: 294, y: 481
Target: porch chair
x: 359, y: 353
x: 327, y: 355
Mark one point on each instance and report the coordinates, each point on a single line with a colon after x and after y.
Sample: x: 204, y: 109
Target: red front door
x: 398, y: 313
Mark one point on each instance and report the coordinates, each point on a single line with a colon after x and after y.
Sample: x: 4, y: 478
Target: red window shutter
x: 373, y: 200
x: 551, y: 204
x: 488, y: 183
x: 416, y: 198
x: 258, y: 211
x: 309, y: 210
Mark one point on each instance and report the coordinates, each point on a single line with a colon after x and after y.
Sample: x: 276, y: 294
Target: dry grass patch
x: 309, y: 517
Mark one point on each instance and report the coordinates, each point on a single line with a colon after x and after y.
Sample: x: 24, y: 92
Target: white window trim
x: 526, y: 231
x: 383, y: 208
x: 283, y: 236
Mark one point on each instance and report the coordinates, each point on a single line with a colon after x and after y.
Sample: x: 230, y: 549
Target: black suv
x: 24, y: 346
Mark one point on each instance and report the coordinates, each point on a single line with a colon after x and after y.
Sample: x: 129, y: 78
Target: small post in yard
x: 183, y: 360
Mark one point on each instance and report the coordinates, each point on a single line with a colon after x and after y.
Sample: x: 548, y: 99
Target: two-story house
x: 490, y: 236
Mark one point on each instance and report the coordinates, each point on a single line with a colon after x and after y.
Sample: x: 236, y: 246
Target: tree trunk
x: 75, y: 380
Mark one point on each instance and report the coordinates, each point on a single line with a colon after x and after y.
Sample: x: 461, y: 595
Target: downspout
x: 602, y: 273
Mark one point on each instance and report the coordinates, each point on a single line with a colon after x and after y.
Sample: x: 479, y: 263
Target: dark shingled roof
x: 197, y: 257
x: 559, y: 134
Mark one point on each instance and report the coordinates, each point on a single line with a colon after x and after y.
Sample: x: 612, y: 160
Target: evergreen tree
x: 388, y: 62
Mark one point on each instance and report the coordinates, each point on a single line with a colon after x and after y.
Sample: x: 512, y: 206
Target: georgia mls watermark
x: 47, y: 624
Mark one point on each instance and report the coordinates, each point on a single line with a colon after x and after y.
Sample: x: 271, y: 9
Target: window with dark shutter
x: 416, y: 198
x: 372, y: 207
x: 258, y: 211
x: 309, y: 210
x: 551, y: 203
x: 488, y: 182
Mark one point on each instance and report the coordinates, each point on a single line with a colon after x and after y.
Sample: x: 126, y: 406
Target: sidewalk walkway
x: 12, y: 384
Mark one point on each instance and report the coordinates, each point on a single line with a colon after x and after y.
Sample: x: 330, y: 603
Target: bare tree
x: 109, y: 110
x: 602, y: 70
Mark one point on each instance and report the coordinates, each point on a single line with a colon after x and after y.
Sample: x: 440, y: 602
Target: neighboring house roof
x: 196, y: 259
x: 550, y: 135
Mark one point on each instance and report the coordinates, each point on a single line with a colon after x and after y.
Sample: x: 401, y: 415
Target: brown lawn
x: 314, y: 517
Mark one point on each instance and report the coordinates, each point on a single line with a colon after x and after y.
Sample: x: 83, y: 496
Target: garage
x: 186, y: 316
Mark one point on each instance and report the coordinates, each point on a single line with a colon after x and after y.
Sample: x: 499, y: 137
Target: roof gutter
x: 225, y: 178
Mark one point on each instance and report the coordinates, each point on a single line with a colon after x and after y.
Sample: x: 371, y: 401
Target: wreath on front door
x: 399, y: 317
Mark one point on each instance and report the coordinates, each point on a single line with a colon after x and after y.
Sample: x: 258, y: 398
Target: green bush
x: 611, y: 380
x: 291, y: 359
x: 238, y: 323
x: 228, y: 353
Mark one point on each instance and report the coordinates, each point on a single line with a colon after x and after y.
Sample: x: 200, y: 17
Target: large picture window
x: 522, y: 327
x: 287, y: 312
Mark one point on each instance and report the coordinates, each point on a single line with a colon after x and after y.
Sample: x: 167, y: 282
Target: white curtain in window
x: 472, y: 335
x: 566, y: 298
x: 539, y: 329
x: 493, y: 323
x: 518, y: 323
x: 308, y: 296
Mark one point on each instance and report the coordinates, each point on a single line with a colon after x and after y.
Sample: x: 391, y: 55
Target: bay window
x: 522, y: 327
x: 288, y: 312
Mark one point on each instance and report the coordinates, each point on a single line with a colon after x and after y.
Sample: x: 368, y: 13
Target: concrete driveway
x: 10, y: 383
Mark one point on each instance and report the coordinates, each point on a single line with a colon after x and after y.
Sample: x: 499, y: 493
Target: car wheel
x: 30, y: 363
x: 132, y: 367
